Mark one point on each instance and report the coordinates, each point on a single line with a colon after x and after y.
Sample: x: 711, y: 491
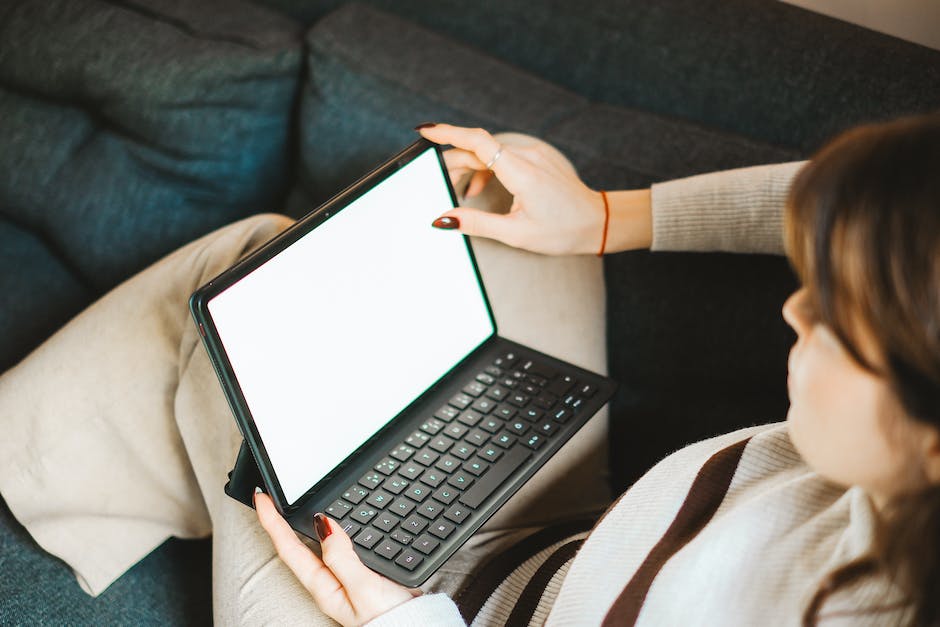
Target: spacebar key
x: 495, y: 476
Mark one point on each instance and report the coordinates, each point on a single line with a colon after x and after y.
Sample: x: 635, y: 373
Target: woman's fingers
x: 322, y: 584
x: 360, y: 582
x: 483, y: 148
x: 477, y: 182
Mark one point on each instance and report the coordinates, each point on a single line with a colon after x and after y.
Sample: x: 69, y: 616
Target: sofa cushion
x: 131, y: 128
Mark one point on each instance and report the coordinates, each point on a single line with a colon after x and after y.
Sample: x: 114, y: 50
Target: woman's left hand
x: 342, y: 586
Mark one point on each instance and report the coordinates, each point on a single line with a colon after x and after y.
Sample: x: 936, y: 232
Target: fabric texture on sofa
x: 131, y: 128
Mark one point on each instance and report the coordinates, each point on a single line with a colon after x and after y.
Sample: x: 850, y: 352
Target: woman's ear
x: 931, y: 454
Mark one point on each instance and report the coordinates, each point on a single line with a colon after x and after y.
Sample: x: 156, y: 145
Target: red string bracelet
x: 606, y: 222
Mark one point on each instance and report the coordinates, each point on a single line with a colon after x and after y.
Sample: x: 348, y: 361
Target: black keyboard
x: 424, y: 489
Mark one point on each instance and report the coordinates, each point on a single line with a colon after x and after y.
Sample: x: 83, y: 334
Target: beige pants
x: 117, y: 435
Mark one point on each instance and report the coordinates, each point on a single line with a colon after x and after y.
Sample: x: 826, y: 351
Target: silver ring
x: 489, y: 165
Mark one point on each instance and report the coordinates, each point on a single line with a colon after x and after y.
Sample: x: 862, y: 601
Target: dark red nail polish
x: 446, y: 222
x: 425, y: 125
x: 322, y: 526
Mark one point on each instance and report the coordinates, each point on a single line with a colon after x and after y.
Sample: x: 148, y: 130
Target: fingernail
x: 446, y: 222
x: 322, y: 526
x: 425, y: 125
x: 257, y: 492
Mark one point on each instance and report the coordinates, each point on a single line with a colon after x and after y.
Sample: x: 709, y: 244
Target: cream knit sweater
x: 735, y: 530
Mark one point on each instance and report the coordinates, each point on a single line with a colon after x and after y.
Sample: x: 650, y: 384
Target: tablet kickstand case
x: 244, y: 477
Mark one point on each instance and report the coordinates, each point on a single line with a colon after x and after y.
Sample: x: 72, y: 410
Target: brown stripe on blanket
x: 481, y: 584
x: 532, y: 593
x: 706, y: 494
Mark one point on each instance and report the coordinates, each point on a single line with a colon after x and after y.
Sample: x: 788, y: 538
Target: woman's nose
x: 794, y: 311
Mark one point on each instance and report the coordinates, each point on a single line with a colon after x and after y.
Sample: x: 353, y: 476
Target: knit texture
x: 738, y: 211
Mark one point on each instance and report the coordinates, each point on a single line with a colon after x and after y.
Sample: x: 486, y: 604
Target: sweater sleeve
x: 738, y: 211
x: 427, y: 609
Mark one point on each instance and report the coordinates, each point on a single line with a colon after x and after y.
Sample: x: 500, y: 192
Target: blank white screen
x: 342, y: 330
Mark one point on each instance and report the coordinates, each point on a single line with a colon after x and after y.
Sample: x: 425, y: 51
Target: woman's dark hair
x: 863, y: 235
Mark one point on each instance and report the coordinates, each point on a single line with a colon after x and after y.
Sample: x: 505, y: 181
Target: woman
x: 848, y: 491
x: 830, y: 517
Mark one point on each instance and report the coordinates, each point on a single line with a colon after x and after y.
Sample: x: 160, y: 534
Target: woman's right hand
x: 553, y: 211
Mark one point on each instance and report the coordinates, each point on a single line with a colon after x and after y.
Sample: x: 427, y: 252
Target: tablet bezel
x: 199, y: 302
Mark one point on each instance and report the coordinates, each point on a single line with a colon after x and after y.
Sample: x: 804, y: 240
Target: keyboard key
x: 531, y: 389
x: 577, y: 403
x: 545, y: 401
x: 363, y: 515
x: 539, y: 369
x: 425, y: 544
x: 505, y: 412
x: 338, y: 509
x: 446, y: 413
x: 409, y: 559
x: 519, y: 400
x: 494, y: 477
x: 430, y: 509
x: 490, y: 453
x: 395, y: 485
x: 368, y: 538
x: 379, y: 499
x: 442, y: 443
x: 418, y: 492
x: 484, y: 405
x: 587, y: 390
x: 414, y: 524
x: 469, y: 417
x: 561, y: 385
x: 387, y: 466
x: 441, y: 529
x: 485, y: 379
x: 531, y: 414
x: 431, y: 426
x: 506, y: 361
x: 371, y: 480
x: 447, y: 464
x: 433, y: 478
x: 426, y: 458
x: 460, y: 401
x: 460, y: 480
x: 476, y: 467
x: 463, y: 451
x: 534, y: 441
x: 474, y: 389
x: 456, y: 431
x: 518, y: 427
x: 547, y: 428
x: 477, y: 437
x: 561, y: 415
x: 509, y: 382
x: 495, y: 371
x: 385, y: 521
x: 401, y: 536
x: 497, y: 393
x: 418, y: 439
x: 401, y: 506
x: 355, y: 494
x: 445, y: 494
x: 504, y: 439
x: 411, y: 471
x: 491, y: 424
x: 402, y: 453
x: 350, y: 527
x: 457, y: 513
x: 534, y: 379
x: 388, y: 549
